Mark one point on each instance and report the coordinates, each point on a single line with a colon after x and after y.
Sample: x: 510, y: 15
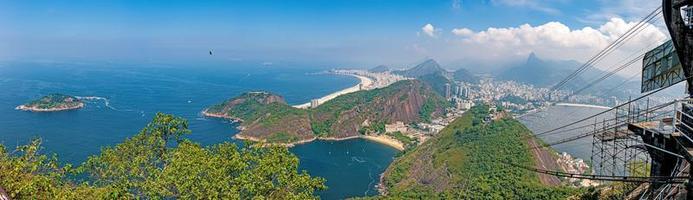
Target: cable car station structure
x: 637, y: 142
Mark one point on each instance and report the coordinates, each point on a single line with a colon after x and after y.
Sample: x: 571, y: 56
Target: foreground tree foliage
x: 158, y: 163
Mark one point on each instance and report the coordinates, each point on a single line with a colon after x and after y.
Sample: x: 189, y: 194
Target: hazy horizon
x: 484, y: 34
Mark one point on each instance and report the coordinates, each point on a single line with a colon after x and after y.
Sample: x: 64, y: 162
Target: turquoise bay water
x: 135, y: 92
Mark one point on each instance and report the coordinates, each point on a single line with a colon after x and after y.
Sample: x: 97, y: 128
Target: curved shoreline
x: 363, y: 82
x: 378, y: 139
x: 582, y: 105
x: 35, y: 109
x: 233, y: 119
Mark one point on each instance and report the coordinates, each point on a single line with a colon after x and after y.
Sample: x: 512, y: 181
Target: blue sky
x: 336, y: 32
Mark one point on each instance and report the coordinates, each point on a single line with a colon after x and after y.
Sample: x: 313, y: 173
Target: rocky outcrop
x: 52, y: 103
x: 403, y: 101
x: 264, y: 117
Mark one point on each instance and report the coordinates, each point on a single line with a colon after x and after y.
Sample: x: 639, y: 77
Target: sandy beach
x: 386, y: 140
x: 240, y: 136
x: 382, y: 139
x: 365, y: 81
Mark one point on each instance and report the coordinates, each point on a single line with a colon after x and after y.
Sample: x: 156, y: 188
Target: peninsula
x: 266, y: 117
x: 52, y: 103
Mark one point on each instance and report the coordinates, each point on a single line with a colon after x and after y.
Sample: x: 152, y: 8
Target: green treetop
x: 158, y: 163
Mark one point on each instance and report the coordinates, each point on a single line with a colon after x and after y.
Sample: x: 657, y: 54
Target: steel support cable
x: 635, y: 57
x: 571, y: 139
x: 604, y: 92
x: 550, y: 132
x: 610, y: 126
x: 638, y: 29
x: 637, y: 179
x: 600, y: 113
x: 639, y: 114
x: 641, y: 52
x: 574, y: 138
x: 611, y: 73
x: 608, y: 49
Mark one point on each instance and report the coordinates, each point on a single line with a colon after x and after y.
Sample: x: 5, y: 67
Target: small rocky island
x: 52, y: 103
x: 266, y: 117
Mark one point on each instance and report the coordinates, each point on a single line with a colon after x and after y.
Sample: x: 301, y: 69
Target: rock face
x: 52, y: 103
x: 405, y: 101
x: 267, y: 117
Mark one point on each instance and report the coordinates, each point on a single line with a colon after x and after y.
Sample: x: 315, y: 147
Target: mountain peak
x: 429, y: 66
x: 429, y: 61
x: 533, y: 58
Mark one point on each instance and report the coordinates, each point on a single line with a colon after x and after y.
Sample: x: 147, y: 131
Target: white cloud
x: 429, y: 30
x: 462, y: 32
x: 552, y: 40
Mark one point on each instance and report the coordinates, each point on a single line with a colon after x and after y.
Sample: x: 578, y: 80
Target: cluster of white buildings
x: 380, y: 80
x: 505, y: 93
x: 575, y: 166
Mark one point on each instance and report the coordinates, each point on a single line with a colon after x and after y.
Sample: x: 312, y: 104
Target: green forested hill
x: 462, y: 162
x: 266, y: 116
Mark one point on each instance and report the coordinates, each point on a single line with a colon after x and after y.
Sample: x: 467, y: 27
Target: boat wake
x: 105, y: 100
x: 354, y: 158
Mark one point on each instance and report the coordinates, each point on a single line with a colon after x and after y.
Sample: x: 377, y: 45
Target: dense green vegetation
x: 252, y: 108
x: 375, y: 127
x: 54, y: 101
x: 282, y: 137
x: 407, y: 141
x: 158, y: 163
x: 427, y: 109
x: 437, y: 82
x: 468, y: 157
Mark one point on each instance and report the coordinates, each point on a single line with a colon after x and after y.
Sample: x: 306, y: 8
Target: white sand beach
x: 365, y: 81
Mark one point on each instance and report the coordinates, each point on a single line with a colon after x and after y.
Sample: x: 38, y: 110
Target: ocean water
x: 131, y: 94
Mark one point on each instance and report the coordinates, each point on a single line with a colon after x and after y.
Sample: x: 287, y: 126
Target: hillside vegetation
x: 465, y: 162
x: 157, y: 163
x: 53, y: 102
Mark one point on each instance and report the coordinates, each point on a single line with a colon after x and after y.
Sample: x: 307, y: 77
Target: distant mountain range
x: 540, y: 72
x: 547, y: 73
